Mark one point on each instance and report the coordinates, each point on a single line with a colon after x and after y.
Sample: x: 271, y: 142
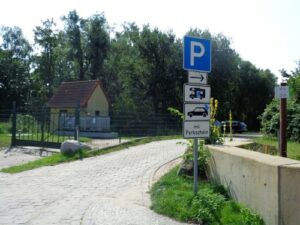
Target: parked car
x: 198, y: 111
x: 237, y: 126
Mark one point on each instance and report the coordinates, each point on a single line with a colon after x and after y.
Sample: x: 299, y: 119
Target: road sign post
x: 196, y: 165
x: 197, y: 60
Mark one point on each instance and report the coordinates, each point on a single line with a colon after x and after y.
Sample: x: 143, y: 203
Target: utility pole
x: 283, y: 125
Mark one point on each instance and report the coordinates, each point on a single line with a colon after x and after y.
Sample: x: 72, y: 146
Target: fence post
x: 77, y: 121
x: 14, y: 125
x: 43, y: 126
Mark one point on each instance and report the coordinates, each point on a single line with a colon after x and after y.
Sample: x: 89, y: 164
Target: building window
x: 97, y: 113
x: 63, y: 112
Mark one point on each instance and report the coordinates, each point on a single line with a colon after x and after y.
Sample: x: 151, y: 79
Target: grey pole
x: 195, y: 165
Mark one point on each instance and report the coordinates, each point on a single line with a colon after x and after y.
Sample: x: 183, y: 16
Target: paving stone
x: 111, y: 189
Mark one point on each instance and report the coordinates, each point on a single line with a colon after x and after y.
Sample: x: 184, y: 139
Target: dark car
x: 198, y: 111
x: 237, y: 126
x: 197, y: 93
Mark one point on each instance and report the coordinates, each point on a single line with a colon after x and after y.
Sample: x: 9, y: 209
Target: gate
x: 37, y: 127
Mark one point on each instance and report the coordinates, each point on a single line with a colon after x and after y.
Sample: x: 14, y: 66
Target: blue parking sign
x: 197, y: 54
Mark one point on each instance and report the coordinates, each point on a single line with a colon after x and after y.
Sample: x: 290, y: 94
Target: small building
x: 93, y: 102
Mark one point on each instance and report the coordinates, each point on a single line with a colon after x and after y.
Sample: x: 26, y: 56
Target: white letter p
x: 196, y: 54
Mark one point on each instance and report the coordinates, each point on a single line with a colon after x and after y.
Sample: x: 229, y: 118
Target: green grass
x: 293, y: 148
x: 60, y: 158
x: 4, y: 131
x: 173, y: 196
x: 5, y: 127
x: 4, y: 140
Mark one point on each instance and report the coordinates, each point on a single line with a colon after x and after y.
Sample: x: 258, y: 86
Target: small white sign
x: 196, y: 129
x: 196, y: 111
x: 197, y: 77
x: 196, y: 93
x: 281, y: 92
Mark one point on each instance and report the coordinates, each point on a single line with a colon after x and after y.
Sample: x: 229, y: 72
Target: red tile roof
x: 68, y: 94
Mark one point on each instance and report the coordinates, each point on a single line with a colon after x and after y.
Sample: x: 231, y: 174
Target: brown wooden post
x: 283, y: 125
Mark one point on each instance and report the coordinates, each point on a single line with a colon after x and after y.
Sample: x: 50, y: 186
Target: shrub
x: 26, y: 123
x: 271, y: 116
x: 207, y: 205
x: 5, y: 128
x: 203, y: 156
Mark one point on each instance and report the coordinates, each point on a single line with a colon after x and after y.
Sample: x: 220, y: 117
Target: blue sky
x: 264, y: 32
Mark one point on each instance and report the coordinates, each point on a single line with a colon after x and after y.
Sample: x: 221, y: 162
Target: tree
x: 97, y: 45
x: 294, y: 83
x: 162, y: 56
x: 15, y: 59
x: 256, y: 90
x: 46, y: 37
x: 73, y: 27
x: 125, y: 72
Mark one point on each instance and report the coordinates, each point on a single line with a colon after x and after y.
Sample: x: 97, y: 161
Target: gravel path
x: 15, y: 156
x: 110, y: 189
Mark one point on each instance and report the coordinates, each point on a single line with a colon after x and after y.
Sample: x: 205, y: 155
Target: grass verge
x: 293, y: 148
x: 173, y: 196
x: 4, y: 140
x: 61, y: 158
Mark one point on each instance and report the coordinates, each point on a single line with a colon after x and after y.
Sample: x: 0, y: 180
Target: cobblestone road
x: 105, y: 190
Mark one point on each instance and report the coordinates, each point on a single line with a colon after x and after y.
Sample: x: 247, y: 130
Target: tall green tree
x: 15, y: 59
x: 125, y: 72
x: 162, y: 56
x: 294, y: 83
x: 96, y: 37
x: 46, y: 38
x: 256, y: 90
x: 73, y: 28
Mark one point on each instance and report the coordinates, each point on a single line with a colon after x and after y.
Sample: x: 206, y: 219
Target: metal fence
x: 44, y: 128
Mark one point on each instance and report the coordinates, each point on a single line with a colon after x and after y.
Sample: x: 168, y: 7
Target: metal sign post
x: 197, y: 60
x: 195, y: 165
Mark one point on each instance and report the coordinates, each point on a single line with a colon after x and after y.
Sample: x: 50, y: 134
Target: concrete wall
x: 270, y: 185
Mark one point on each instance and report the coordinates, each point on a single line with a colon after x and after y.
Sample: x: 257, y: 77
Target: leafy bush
x: 271, y: 116
x: 173, y: 196
x: 203, y: 156
x: 26, y: 123
x: 207, y: 205
x: 5, y: 128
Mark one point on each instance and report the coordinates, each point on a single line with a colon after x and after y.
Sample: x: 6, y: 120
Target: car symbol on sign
x: 198, y: 111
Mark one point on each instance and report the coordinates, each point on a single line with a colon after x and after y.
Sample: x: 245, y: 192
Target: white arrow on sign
x: 197, y: 77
